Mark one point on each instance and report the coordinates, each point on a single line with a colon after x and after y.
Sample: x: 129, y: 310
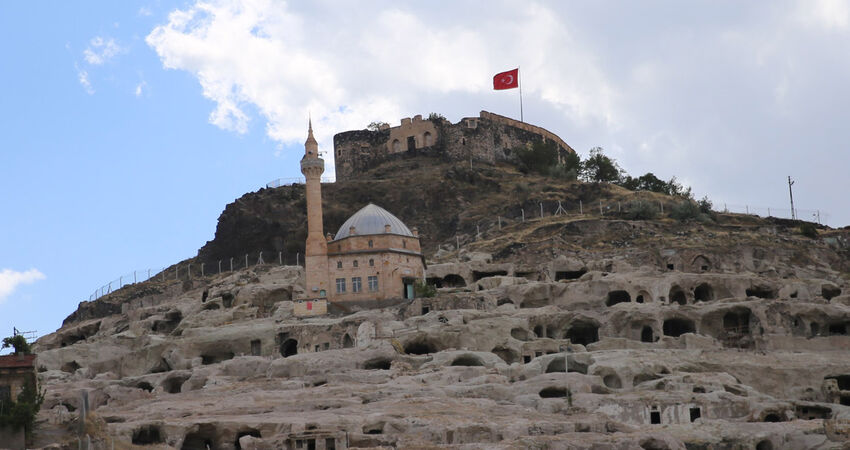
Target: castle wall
x: 489, y: 137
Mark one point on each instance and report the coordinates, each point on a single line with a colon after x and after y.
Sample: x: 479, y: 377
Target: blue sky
x: 126, y: 127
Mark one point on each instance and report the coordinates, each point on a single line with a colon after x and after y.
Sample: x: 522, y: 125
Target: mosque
x: 373, y: 256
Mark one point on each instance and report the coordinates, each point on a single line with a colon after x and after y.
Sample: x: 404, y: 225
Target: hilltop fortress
x: 488, y: 137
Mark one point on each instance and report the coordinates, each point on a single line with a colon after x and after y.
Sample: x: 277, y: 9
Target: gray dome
x: 371, y: 220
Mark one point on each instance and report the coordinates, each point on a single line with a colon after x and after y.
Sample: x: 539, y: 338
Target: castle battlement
x: 488, y: 137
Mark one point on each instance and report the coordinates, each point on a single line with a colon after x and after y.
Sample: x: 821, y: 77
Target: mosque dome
x: 372, y: 219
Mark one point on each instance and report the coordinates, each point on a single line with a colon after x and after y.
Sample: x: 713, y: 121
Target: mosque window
x: 404, y: 244
x: 339, y: 264
x: 340, y: 285
x: 370, y: 243
x: 371, y: 263
x: 373, y: 284
x: 355, y: 263
x: 355, y: 284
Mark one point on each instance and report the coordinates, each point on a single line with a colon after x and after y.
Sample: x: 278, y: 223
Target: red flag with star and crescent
x: 506, y: 80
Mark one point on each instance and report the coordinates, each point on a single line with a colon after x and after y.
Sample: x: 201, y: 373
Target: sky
x: 126, y: 127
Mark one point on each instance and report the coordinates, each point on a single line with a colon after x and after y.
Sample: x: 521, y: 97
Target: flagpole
x: 519, y: 81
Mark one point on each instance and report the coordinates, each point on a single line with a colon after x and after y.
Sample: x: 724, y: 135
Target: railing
x: 293, y: 180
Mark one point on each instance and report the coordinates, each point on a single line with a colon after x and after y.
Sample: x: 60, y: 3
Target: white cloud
x: 101, y: 50
x: 10, y: 280
x: 353, y: 67
x: 144, y: 12
x: 140, y: 88
x: 83, y: 78
x: 829, y: 14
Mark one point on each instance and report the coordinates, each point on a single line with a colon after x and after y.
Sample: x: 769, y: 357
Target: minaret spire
x: 316, y: 248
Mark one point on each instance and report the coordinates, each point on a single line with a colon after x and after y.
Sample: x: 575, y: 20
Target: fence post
x: 523, y: 214
x: 109, y: 289
x: 541, y: 210
x: 600, y: 208
x: 747, y: 207
x: 149, y: 274
x: 580, y: 208
x: 619, y: 209
x: 190, y: 271
x: 231, y: 264
x: 297, y: 258
x: 477, y: 231
x: 260, y: 259
x: 768, y: 212
x: 662, y: 207
x: 120, y: 281
x: 134, y: 277
x: 246, y: 260
x: 280, y: 258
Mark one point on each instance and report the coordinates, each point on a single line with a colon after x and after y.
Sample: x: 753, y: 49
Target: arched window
x: 404, y: 244
x: 396, y: 145
x: 339, y: 264
x: 355, y: 263
x: 370, y: 243
x: 429, y: 141
x: 371, y: 263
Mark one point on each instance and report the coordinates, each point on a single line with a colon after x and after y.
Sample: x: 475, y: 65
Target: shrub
x: 377, y: 125
x: 422, y: 289
x: 705, y: 205
x: 685, y: 210
x: 436, y: 116
x: 639, y: 211
x: 19, y: 343
x: 600, y: 168
x: 809, y: 230
x: 21, y: 414
x: 539, y: 157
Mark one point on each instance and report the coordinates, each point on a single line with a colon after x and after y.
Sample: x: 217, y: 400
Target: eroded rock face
x: 580, y: 350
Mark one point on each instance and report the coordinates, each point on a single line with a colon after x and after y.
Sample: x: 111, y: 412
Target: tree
x: 375, y: 126
x: 600, y: 168
x: 540, y: 157
x: 19, y: 343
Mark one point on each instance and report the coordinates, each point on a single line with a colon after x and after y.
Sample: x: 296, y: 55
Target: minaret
x: 316, y: 249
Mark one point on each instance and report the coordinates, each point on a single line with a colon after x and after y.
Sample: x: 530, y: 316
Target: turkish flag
x: 506, y: 80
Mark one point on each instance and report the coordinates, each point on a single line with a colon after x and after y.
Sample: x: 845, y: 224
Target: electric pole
x: 791, y: 194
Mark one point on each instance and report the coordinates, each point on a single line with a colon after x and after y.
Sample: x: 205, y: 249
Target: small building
x: 373, y: 256
x: 15, y: 372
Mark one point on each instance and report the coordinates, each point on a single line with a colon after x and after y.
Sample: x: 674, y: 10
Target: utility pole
x: 791, y: 194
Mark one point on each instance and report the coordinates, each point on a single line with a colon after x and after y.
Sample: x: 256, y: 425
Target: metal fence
x: 484, y: 228
x: 190, y: 271
x: 294, y: 180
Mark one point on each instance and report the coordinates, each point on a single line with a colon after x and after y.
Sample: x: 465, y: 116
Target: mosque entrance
x: 407, y: 291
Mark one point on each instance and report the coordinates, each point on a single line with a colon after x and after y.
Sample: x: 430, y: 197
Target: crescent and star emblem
x: 508, y: 80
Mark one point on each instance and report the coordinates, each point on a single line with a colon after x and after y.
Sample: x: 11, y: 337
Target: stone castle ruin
x: 488, y: 137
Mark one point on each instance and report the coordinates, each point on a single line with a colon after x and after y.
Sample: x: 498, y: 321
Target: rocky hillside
x: 567, y: 331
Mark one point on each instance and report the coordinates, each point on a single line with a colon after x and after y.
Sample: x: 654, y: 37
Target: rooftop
x: 371, y: 219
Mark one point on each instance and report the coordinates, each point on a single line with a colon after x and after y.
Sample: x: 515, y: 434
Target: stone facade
x: 488, y: 137
x: 15, y: 372
x: 316, y: 248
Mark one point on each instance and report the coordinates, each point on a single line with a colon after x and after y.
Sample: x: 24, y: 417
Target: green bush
x: 809, y: 230
x: 598, y: 168
x: 639, y: 211
x: 21, y: 414
x: 685, y: 210
x: 539, y: 157
x: 424, y: 290
x: 19, y: 343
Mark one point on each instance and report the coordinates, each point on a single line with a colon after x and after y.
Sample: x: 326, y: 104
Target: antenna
x: 791, y: 194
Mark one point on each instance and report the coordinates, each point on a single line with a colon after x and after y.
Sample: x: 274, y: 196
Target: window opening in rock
x: 467, y: 360
x: 703, y: 293
x: 615, y: 297
x: 736, y: 325
x: 144, y: 385
x: 167, y: 325
x: 699, y: 390
x: 837, y: 329
x: 453, y: 280
x: 761, y: 292
x: 553, y: 392
x: 288, y: 348
x: 378, y: 364
x: 479, y: 275
x: 677, y: 295
x: 815, y: 329
x: 764, y: 445
x: 173, y: 385
x: 202, y: 439
x: 569, y: 274
x: 216, y: 357
x: 227, y: 299
x: 556, y: 366
x: 347, y: 342
x: 655, y: 417
x: 612, y: 381
x: 639, y: 299
x: 843, y: 381
x: 538, y: 354
x: 844, y: 400
x: 437, y: 282
x: 828, y: 292
x: 538, y: 331
x: 160, y: 367
x: 772, y: 417
x: 330, y: 444
x: 583, y: 333
x: 420, y: 347
x: 646, y: 334
x: 507, y: 355
x: 252, y: 432
x: 256, y: 347
x: 670, y: 266
x: 147, y: 435
x: 204, y: 296
x: 695, y: 414
x: 70, y: 367
x: 526, y: 359
x: 426, y: 310
x: 520, y: 334
x: 677, y: 326
x: 375, y: 428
